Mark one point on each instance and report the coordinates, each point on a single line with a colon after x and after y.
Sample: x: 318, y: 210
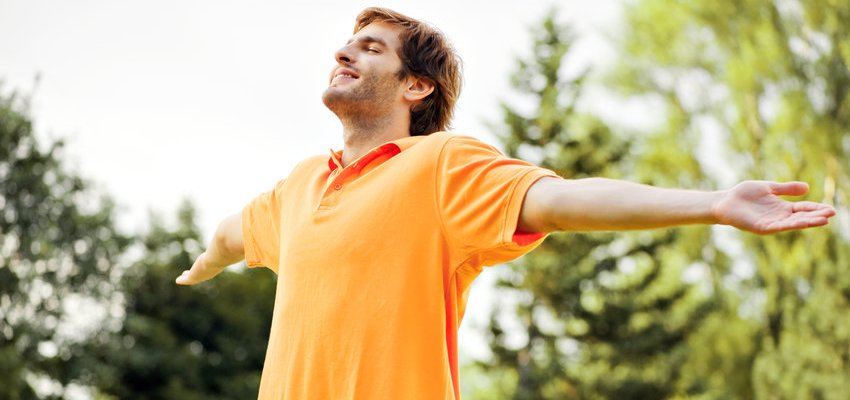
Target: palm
x: 755, y: 206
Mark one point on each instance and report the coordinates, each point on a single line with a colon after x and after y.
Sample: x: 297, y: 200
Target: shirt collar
x: 390, y: 148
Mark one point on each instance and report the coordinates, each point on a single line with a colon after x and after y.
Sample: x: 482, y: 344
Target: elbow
x: 228, y: 238
x: 231, y: 246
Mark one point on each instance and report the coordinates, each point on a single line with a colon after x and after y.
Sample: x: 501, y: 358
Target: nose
x: 344, y: 55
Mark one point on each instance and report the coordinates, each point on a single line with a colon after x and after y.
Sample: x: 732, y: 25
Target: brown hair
x: 426, y: 53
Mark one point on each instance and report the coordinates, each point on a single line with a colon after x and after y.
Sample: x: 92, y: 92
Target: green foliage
x: 200, y: 342
x: 773, y: 78
x: 610, y: 316
x: 604, y: 315
x: 57, y: 256
x: 62, y: 261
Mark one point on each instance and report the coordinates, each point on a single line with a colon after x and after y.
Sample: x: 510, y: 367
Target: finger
x: 796, y: 223
x: 789, y: 188
x: 818, y: 213
x: 183, y: 279
x: 802, y: 206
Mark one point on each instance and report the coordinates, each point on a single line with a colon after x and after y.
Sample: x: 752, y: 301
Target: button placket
x: 339, y: 176
x: 334, y: 188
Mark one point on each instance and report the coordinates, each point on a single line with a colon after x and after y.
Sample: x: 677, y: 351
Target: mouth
x: 342, y: 75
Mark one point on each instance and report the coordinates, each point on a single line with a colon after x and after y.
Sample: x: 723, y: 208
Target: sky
x: 160, y: 101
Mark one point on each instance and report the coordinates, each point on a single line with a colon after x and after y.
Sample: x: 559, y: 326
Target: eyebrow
x: 368, y: 39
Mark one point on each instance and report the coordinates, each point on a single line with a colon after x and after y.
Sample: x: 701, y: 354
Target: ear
x: 417, y: 89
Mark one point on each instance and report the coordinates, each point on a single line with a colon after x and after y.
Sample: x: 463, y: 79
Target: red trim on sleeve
x: 525, y: 239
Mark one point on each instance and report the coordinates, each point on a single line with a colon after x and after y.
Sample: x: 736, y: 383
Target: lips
x: 343, y: 74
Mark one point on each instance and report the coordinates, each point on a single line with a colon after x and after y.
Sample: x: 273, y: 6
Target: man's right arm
x: 225, y: 249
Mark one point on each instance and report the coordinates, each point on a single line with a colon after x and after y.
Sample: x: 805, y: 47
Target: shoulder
x: 305, y: 169
x: 444, y: 150
x: 310, y: 165
x: 446, y: 143
x: 455, y: 146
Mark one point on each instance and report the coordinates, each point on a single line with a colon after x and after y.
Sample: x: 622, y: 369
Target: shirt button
x: 338, y: 186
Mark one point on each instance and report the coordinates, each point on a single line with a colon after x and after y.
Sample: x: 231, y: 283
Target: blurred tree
x: 200, y: 342
x: 603, y: 315
x: 768, y: 83
x: 58, y: 247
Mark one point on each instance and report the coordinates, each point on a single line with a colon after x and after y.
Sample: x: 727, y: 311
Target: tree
x: 199, y: 342
x: 62, y: 261
x: 603, y: 315
x: 58, y: 251
x: 771, y: 79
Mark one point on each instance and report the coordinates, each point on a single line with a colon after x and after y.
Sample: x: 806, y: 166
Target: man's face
x: 365, y: 81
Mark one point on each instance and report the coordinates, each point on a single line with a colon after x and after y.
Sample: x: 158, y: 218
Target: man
x: 376, y: 246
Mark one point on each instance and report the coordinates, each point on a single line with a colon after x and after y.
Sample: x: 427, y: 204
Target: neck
x: 362, y: 135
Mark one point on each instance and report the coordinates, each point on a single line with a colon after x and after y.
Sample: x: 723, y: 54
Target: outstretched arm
x: 226, y: 249
x: 598, y: 204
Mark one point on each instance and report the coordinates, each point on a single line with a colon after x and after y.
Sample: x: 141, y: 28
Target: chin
x: 330, y: 98
x: 335, y: 101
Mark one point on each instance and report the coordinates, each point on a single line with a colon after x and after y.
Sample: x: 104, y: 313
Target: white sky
x: 217, y: 100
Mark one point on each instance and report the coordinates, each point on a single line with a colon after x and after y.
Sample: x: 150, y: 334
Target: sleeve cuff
x: 515, y: 209
x: 252, y: 258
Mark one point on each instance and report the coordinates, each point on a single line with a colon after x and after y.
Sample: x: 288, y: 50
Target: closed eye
x: 369, y: 44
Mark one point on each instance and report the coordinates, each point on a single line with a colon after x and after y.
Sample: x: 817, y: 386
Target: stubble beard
x: 365, y: 104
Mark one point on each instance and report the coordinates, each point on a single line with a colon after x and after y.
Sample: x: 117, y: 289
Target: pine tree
x: 604, y: 315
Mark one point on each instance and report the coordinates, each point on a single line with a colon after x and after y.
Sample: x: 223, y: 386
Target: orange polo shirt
x: 374, y: 264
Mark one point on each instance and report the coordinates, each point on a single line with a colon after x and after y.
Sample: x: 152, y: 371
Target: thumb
x: 789, y: 188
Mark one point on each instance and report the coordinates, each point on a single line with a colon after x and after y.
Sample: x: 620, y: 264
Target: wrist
x: 715, y: 199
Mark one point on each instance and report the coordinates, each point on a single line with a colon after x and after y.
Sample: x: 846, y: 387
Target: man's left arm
x: 599, y: 204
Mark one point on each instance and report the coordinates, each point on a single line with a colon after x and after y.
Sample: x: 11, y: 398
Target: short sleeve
x: 480, y: 194
x: 261, y: 229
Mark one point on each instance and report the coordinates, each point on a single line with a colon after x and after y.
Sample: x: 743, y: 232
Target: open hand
x: 755, y: 206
